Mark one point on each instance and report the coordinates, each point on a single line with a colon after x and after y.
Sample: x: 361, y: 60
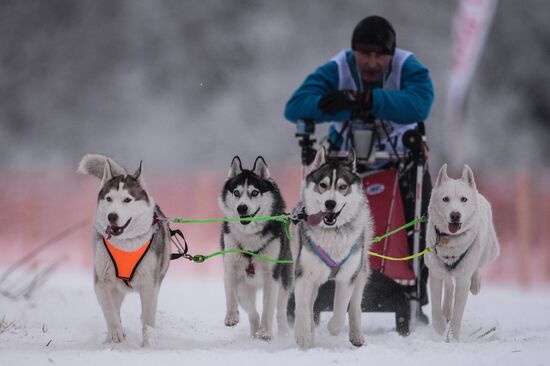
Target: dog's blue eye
x: 254, y: 193
x: 463, y: 199
x: 446, y: 199
x: 236, y: 193
x: 127, y: 200
x: 343, y: 187
x: 109, y: 199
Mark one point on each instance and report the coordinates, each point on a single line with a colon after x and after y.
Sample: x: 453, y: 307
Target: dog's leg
x: 438, y: 319
x: 461, y: 295
x: 247, y: 299
x: 230, y: 281
x: 282, y: 305
x: 303, y: 332
x: 149, y: 299
x: 118, y: 297
x: 354, y: 313
x: 342, y: 295
x: 448, y: 298
x: 111, y: 312
x: 269, y: 300
x: 475, y: 286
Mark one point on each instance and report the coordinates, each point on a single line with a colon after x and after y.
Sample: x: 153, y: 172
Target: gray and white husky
x: 126, y: 221
x: 245, y: 194
x: 332, y: 244
x: 460, y: 228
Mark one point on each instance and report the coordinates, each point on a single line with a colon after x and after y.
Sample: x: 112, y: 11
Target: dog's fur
x: 464, y: 219
x: 124, y: 196
x: 254, y: 193
x: 329, y: 186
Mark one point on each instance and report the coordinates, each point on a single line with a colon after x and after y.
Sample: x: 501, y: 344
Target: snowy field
x: 62, y: 325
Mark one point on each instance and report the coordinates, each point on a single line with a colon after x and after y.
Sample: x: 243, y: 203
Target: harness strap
x: 126, y: 262
x: 443, y: 239
x: 325, y: 257
x: 453, y: 265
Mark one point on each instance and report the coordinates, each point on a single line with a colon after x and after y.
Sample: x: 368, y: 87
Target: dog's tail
x: 93, y: 164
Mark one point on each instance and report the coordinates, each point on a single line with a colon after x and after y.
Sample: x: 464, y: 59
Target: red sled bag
x: 384, y: 197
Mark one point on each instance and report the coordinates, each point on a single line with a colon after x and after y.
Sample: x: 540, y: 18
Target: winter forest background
x: 186, y: 85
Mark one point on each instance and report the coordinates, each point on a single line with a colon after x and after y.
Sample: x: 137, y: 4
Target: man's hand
x: 337, y: 101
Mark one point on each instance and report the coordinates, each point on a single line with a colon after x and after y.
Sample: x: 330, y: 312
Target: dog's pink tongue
x: 315, y: 219
x: 453, y: 228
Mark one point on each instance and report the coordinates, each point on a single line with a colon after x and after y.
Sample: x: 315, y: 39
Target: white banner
x: 471, y: 25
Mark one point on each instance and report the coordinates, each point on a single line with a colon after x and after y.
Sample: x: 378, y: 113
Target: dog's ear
x: 260, y: 168
x: 236, y: 167
x: 441, y: 176
x: 468, y: 176
x: 320, y: 159
x: 351, y: 159
x: 138, y: 175
x: 107, y: 172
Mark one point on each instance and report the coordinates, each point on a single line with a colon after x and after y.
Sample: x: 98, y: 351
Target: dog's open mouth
x: 328, y: 217
x: 454, y: 227
x: 113, y: 230
x: 246, y: 222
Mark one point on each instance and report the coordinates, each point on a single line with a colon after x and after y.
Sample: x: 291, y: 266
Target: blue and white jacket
x: 402, y: 99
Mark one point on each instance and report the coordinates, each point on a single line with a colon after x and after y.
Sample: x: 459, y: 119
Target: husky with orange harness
x: 131, y: 246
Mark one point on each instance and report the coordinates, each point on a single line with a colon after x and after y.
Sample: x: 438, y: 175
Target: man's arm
x: 304, y: 103
x: 410, y: 104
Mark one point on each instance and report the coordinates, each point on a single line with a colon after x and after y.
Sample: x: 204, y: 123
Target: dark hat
x: 374, y: 31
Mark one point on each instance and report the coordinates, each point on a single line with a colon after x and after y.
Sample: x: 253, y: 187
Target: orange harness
x: 126, y: 262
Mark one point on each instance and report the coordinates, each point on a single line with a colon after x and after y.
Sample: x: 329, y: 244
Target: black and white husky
x: 131, y: 247
x: 332, y: 244
x: 245, y: 194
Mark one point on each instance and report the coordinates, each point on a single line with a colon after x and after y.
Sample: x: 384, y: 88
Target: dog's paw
x: 475, y: 284
x: 282, y: 329
x: 439, y: 324
x: 453, y: 336
x: 304, y: 340
x: 334, y: 326
x: 149, y: 336
x: 231, y: 319
x: 115, y: 335
x: 264, y: 335
x: 357, y: 339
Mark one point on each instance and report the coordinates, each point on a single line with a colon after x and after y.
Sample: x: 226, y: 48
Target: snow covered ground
x: 62, y: 325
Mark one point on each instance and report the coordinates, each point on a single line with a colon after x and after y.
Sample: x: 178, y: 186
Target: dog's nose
x: 112, y: 217
x: 330, y: 204
x: 242, y: 209
x: 455, y: 216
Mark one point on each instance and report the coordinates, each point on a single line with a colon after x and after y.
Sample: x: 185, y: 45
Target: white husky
x: 131, y: 247
x: 249, y: 193
x: 332, y: 244
x: 460, y: 228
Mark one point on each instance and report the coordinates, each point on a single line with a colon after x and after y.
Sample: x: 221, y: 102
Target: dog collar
x: 126, y: 262
x: 441, y: 238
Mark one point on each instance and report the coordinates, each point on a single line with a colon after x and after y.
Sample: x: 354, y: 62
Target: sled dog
x: 247, y: 194
x: 332, y: 243
x: 460, y: 229
x: 131, y: 247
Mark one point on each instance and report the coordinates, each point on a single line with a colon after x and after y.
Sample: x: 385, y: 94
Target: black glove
x: 337, y: 101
